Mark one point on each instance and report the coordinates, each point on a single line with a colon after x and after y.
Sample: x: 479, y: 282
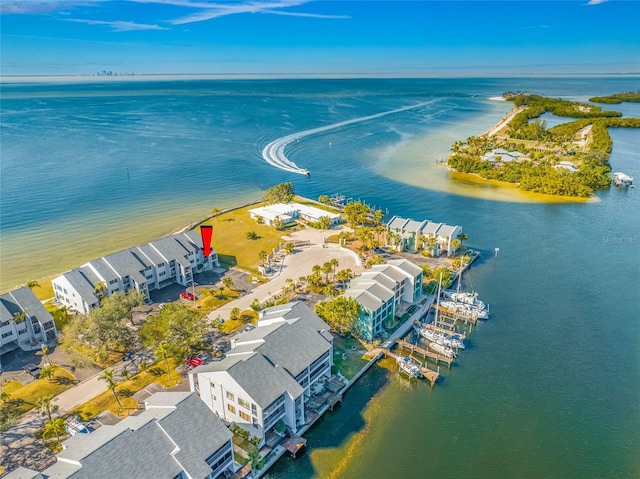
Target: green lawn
x: 233, y: 247
x: 246, y: 317
x: 212, y: 299
x: 156, y: 373
x: 24, y: 398
x: 353, y: 358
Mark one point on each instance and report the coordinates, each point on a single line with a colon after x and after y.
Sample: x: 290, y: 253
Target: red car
x: 194, y: 361
x: 187, y: 295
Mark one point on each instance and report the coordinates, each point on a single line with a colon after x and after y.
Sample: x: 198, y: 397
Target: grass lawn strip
x: 24, y: 398
x: 126, y: 389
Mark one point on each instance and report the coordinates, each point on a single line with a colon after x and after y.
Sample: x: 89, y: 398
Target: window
x: 245, y: 416
x: 254, y: 421
x: 113, y: 281
x: 230, y: 396
x: 10, y: 333
x: 162, y: 273
x: 231, y: 408
x: 160, y: 265
x: 244, y: 403
x: 254, y: 410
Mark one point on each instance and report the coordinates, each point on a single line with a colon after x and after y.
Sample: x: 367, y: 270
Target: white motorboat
x: 409, y: 366
x: 465, y: 309
x: 442, y: 350
x: 451, y: 340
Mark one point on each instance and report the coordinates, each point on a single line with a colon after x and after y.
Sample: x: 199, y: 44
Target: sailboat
x: 431, y: 332
x: 408, y: 366
x: 463, y: 302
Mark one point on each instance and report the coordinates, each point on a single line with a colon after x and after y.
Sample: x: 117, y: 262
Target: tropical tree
x: 21, y: 317
x: 100, y: 288
x: 234, y: 314
x: 463, y: 237
x: 282, y: 193
x: 330, y: 291
x: 227, y: 282
x: 262, y: 254
x: 324, y: 199
x: 216, y: 212
x: 32, y: 283
x: 178, y: 327
x: 54, y: 426
x: 377, y: 259
x: 393, y: 238
x: 344, y: 275
x: 289, y: 247
x: 45, y: 352
x: 277, y: 223
x: 455, y: 244
x: 334, y: 262
x: 377, y: 217
x: 433, y: 245
x: 45, y: 406
x: 356, y: 213
x: 290, y: 287
x: 4, y: 397
x: 162, y: 352
x: 47, y: 372
x: 339, y: 313
x: 107, y: 375
x: 327, y: 269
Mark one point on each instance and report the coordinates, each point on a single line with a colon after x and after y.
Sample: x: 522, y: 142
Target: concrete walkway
x: 296, y: 265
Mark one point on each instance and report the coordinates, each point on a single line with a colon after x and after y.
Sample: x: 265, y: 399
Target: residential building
x: 169, y: 260
x: 566, y: 165
x: 290, y: 212
x: 35, y: 324
x: 269, y: 371
x: 383, y: 291
x: 176, y: 436
x: 413, y: 235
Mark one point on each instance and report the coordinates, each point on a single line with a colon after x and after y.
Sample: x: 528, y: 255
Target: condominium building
x: 169, y: 260
x: 176, y: 437
x: 269, y: 371
x: 411, y: 235
x: 24, y: 321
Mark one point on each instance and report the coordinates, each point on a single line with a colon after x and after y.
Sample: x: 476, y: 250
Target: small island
x: 570, y: 159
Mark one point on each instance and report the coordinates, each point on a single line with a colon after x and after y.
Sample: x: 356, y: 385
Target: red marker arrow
x: 207, y: 233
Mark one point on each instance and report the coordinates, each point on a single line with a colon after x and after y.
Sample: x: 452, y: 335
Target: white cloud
x: 594, y: 2
x: 35, y: 7
x: 215, y: 10
x: 119, y: 25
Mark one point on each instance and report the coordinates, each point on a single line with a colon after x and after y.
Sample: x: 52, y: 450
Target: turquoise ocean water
x: 550, y: 384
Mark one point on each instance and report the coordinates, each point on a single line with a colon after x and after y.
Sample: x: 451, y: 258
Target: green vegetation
x: 24, y: 398
x: 617, y: 98
x: 584, y: 142
x: 176, y: 328
x: 339, y: 313
x: 347, y: 356
x: 125, y: 390
x: 282, y: 193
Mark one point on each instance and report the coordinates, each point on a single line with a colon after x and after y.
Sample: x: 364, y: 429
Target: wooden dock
x: 428, y: 374
x: 424, y: 352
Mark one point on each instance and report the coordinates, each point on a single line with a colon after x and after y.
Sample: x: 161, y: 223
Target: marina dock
x: 424, y: 352
x: 428, y: 374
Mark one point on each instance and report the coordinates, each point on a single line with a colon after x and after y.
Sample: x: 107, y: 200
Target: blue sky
x: 392, y: 38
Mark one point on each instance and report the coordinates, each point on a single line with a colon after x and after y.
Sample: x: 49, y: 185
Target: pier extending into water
x: 425, y: 353
x: 428, y: 374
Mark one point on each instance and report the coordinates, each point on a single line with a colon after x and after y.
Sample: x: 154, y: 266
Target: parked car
x: 187, y: 295
x: 33, y: 370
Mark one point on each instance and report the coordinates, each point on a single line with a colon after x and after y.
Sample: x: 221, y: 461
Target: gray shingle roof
x: 126, y: 263
x: 150, y: 253
x: 396, y: 223
x: 407, y: 266
x: 23, y: 473
x: 103, y: 269
x: 367, y: 300
x: 142, y: 446
x: 23, y: 299
x: 380, y: 277
x: 413, y: 226
x: 170, y: 248
x: 83, y: 281
x: 381, y: 292
x: 390, y: 271
x: 431, y: 228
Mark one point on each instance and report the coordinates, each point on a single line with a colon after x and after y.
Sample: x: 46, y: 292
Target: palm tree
x: 163, y: 352
x: 216, y: 212
x: 54, y: 426
x: 290, y: 286
x: 344, y: 275
x: 45, y: 353
x: 289, y: 247
x: 47, y: 372
x: 4, y: 397
x: 330, y: 291
x: 107, y: 375
x: 46, y: 407
x: 433, y: 244
x: 262, y: 254
x: 100, y: 288
x: 455, y: 244
x: 32, y: 283
x: 327, y: 268
x: 334, y: 263
x: 227, y: 282
x: 21, y: 317
x: 463, y: 237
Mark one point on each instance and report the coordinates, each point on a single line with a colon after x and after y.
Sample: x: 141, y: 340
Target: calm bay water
x: 550, y: 384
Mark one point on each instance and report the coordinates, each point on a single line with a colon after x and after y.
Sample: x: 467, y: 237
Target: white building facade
x: 169, y: 260
x: 24, y: 321
x: 269, y: 371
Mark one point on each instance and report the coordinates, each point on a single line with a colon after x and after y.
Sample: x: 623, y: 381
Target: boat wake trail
x: 274, y: 154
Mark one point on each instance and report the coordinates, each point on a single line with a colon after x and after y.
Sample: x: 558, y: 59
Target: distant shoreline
x: 91, y: 78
